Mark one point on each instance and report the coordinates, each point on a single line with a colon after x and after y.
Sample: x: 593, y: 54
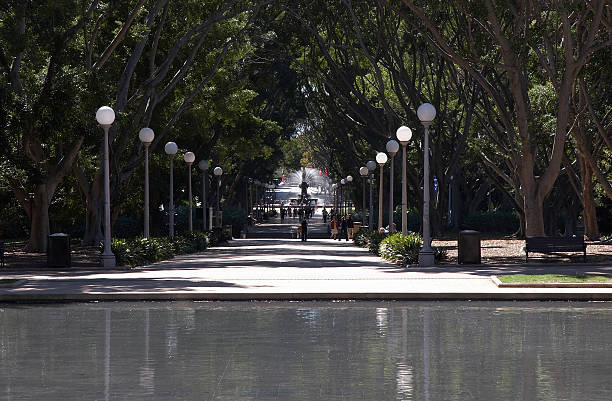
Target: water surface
x: 306, y: 351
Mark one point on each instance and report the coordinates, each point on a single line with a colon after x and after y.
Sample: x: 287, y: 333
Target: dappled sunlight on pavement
x: 272, y: 269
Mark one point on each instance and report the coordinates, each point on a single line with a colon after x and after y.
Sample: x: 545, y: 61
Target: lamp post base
x: 108, y: 260
x: 426, y: 258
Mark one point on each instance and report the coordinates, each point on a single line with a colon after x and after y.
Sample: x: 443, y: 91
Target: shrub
x: 361, y: 237
x: 374, y: 240
x: 401, y: 249
x: 369, y: 239
x: 404, y: 249
x: 141, y: 251
x: 199, y: 240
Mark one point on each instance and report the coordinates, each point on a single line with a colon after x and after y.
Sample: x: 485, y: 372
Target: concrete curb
x: 280, y: 296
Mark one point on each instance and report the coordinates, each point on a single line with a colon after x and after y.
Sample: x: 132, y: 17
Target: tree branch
x: 118, y: 37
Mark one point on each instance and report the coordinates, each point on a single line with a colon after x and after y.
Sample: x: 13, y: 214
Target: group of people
x: 341, y: 226
x: 300, y: 212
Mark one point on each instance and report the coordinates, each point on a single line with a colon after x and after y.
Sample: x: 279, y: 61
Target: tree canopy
x: 255, y: 86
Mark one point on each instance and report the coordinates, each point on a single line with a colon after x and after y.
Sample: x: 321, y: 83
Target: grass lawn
x: 556, y: 278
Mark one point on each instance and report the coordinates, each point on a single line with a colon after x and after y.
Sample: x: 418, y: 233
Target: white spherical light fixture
x: 218, y: 171
x: 381, y: 158
x: 349, y: 178
x: 171, y: 148
x: 343, y: 181
x: 189, y: 157
x: 105, y: 115
x: 371, y: 165
x: 146, y: 135
x: 404, y: 134
x: 426, y: 112
x: 203, y: 165
x: 364, y: 171
x: 392, y: 147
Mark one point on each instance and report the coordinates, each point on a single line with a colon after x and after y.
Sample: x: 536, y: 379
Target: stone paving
x: 288, y: 269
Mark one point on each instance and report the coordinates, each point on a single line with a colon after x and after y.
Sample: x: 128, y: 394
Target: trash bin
x: 469, y: 247
x: 58, y: 250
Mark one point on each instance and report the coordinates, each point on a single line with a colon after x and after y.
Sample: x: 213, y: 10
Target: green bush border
x: 141, y: 251
x: 397, y: 248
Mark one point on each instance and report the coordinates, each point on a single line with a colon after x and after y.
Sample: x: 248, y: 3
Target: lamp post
x: 349, y: 179
x: 450, y: 198
x: 342, y: 196
x: 426, y: 113
x: 217, y: 172
x: 189, y: 158
x: 363, y: 171
x: 371, y: 166
x: 146, y: 136
x: 392, y: 148
x: 203, y: 165
x: 105, y: 117
x: 257, y: 203
x: 334, y: 193
x: 381, y: 159
x: 403, y: 135
x: 171, y: 150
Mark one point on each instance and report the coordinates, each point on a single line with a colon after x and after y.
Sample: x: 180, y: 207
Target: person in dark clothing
x: 324, y: 215
x: 344, y: 229
x: 304, y: 230
x: 350, y: 226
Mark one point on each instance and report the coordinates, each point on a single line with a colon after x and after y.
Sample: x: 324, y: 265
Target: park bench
x: 550, y: 245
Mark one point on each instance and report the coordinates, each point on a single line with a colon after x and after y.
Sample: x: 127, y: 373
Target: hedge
x: 397, y: 248
x: 142, y: 251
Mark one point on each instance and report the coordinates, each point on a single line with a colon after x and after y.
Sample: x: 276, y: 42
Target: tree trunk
x: 39, y: 229
x: 37, y: 205
x: 94, y: 212
x: 591, y: 229
x: 93, y: 222
x: 533, y: 207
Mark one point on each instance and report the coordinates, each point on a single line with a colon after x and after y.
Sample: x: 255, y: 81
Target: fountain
x: 303, y: 198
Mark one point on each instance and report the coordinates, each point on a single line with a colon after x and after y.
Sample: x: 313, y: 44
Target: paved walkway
x: 265, y: 269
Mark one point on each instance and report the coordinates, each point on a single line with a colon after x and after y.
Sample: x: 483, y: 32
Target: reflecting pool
x: 306, y: 351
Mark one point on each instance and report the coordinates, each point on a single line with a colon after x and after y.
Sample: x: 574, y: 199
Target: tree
x: 507, y: 48
x: 176, y: 51
x: 364, y: 74
x: 40, y: 91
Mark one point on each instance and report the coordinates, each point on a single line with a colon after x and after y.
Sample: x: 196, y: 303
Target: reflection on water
x: 306, y: 351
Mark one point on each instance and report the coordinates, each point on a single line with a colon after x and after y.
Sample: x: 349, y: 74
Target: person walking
x: 349, y: 227
x: 304, y: 230
x: 333, y: 226
x: 324, y: 215
x: 343, y: 229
